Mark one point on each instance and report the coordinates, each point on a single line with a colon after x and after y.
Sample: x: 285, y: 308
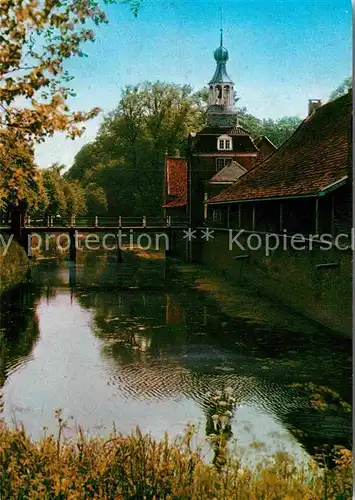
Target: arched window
x: 226, y: 93
x: 218, y: 94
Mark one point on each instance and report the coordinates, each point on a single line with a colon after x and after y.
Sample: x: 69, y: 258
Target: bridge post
x: 119, y: 251
x: 96, y: 221
x: 17, y: 224
x: 72, y: 245
x: 72, y: 275
x: 144, y: 221
x: 170, y: 251
x: 168, y: 221
x: 18, y: 229
x: 196, y: 248
x: 120, y: 221
x: 26, y: 243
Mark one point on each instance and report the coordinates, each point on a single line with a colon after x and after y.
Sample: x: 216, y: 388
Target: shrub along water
x: 13, y: 263
x: 138, y: 467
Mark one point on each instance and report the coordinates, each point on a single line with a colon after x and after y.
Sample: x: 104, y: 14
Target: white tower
x: 221, y: 93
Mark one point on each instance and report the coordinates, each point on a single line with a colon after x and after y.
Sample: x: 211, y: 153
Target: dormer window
x: 224, y: 143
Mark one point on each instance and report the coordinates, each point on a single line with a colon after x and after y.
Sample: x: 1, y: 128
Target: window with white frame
x: 221, y: 144
x: 222, y: 162
x: 224, y: 143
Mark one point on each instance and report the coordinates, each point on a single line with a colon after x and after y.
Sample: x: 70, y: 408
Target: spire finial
x: 221, y: 9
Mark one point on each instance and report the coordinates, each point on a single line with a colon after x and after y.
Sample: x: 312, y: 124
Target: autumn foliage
x: 36, y: 38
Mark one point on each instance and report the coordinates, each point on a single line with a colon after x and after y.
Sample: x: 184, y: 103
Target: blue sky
x: 281, y: 53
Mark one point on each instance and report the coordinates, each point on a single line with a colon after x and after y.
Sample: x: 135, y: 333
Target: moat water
x: 131, y: 344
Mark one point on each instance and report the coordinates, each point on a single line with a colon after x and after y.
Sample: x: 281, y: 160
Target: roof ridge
x: 347, y: 95
x: 266, y: 137
x: 318, y: 143
x: 266, y: 159
x: 235, y: 162
x: 237, y: 125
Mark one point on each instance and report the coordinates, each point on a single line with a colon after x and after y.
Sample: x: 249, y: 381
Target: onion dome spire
x: 221, y: 56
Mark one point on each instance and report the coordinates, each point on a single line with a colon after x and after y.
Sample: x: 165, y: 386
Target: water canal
x: 148, y: 352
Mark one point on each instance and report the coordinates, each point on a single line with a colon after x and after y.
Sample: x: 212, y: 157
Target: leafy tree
x: 65, y: 197
x: 342, y: 88
x: 75, y: 198
x: 201, y: 99
x: 84, y: 160
x: 119, y: 182
x: 16, y: 157
x: 278, y: 131
x: 96, y: 200
x: 127, y: 157
x: 53, y: 184
x: 36, y: 38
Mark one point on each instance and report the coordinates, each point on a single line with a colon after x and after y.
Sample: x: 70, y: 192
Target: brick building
x: 305, y: 186
x: 217, y: 155
x: 175, y: 186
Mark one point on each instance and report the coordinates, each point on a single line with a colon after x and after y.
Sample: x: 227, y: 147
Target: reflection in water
x: 19, y: 330
x: 151, y: 357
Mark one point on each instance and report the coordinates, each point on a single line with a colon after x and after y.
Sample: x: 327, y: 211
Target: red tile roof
x: 235, y: 130
x: 230, y: 173
x: 314, y: 157
x: 176, y: 176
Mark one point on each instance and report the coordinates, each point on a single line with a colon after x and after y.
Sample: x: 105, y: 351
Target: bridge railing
x: 51, y: 221
x: 127, y: 221
x: 179, y: 221
x: 5, y: 222
x: 36, y: 222
x: 105, y: 221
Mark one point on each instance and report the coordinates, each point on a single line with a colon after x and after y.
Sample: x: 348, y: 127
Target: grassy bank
x: 138, y: 467
x: 13, y: 263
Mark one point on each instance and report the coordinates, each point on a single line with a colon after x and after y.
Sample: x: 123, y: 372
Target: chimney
x: 313, y: 104
x: 177, y: 153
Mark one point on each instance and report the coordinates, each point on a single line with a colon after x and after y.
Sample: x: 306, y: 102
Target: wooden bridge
x: 96, y: 224
x: 99, y: 223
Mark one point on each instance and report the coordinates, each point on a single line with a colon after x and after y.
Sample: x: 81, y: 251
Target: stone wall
x: 289, y: 276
